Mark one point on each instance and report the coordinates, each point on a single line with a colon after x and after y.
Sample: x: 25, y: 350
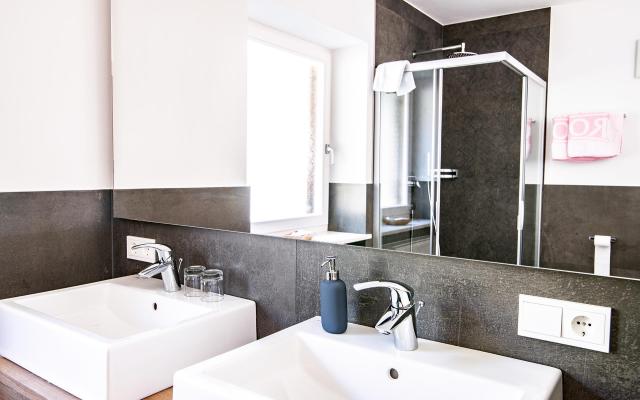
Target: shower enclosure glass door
x: 459, y: 161
x: 404, y: 167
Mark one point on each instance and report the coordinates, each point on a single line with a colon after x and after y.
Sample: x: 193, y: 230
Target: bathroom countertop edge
x: 25, y: 385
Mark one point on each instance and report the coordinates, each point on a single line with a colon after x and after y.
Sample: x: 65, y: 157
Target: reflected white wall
x: 591, y: 68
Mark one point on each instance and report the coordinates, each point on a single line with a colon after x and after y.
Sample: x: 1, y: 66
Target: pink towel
x: 595, y: 135
x: 587, y: 137
x: 560, y: 138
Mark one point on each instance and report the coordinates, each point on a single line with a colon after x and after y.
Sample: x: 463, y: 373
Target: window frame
x: 288, y: 42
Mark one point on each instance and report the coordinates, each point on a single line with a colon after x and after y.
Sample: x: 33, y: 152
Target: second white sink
x: 119, y: 339
x: 304, y: 362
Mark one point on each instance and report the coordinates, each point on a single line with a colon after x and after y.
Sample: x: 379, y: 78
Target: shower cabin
x: 459, y: 161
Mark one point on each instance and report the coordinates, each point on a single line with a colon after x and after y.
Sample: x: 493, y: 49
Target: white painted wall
x: 179, y: 71
x: 347, y: 27
x: 352, y: 17
x: 592, y: 61
x: 55, y: 95
x: 351, y: 119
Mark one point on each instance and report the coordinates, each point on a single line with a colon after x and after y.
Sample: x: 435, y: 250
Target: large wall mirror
x: 507, y: 150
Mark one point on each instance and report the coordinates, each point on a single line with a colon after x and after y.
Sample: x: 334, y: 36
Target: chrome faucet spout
x: 165, y: 267
x: 153, y: 270
x: 400, y: 317
x: 391, y: 319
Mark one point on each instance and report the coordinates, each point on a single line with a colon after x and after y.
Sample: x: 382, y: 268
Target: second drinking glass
x: 212, y: 285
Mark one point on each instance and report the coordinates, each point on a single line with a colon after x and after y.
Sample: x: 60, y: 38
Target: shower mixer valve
x: 445, y: 173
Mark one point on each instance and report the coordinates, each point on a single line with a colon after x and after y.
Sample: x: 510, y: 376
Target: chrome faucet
x: 400, y: 317
x: 165, y: 266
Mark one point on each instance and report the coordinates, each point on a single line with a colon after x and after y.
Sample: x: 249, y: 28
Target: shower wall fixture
x: 459, y: 161
x: 461, y: 53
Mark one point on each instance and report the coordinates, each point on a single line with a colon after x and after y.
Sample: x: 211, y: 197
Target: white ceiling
x: 448, y: 12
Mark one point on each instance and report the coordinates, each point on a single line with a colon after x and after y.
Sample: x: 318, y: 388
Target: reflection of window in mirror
x: 287, y: 111
x: 394, y: 176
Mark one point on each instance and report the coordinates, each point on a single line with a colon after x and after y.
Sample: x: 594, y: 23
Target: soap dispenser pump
x: 333, y: 299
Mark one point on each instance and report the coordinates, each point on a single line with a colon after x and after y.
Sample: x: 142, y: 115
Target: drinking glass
x: 193, y: 280
x: 212, y: 285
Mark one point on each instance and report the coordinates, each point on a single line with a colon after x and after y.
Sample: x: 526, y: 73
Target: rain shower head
x: 461, y: 53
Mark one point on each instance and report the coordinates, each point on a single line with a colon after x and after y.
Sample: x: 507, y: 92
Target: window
x: 287, y: 125
x: 395, y: 143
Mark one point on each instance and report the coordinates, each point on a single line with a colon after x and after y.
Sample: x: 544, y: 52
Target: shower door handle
x: 445, y: 173
x: 329, y: 150
x: 520, y: 215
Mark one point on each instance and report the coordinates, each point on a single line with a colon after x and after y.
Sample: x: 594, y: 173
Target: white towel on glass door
x: 392, y: 77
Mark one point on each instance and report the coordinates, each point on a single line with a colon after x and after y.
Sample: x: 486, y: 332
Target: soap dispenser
x: 333, y: 299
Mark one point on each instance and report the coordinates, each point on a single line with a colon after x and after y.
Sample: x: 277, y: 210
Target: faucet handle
x: 401, y: 294
x: 163, y: 252
x: 419, y: 306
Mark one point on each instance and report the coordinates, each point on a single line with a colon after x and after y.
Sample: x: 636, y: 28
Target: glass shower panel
x: 533, y: 172
x: 481, y: 139
x: 405, y: 151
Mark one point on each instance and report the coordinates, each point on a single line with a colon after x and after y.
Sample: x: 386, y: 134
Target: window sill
x: 333, y: 237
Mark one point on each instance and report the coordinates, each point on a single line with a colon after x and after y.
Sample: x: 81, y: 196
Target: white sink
x: 119, y: 339
x: 304, y: 362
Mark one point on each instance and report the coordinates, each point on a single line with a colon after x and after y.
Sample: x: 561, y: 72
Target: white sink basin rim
x: 304, y: 362
x: 119, y: 339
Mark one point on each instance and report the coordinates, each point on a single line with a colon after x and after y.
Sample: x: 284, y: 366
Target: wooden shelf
x: 16, y: 383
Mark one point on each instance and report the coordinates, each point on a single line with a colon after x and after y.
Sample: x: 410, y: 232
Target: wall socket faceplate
x: 565, y: 322
x: 148, y: 255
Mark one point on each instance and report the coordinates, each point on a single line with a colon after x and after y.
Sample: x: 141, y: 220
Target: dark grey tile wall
x: 481, y: 125
x: 51, y: 240
x: 216, y: 207
x: 479, y: 209
x: 572, y: 213
x: 351, y: 207
x: 259, y: 268
x: 475, y: 304
x: 468, y: 303
x: 523, y: 35
x: 401, y: 29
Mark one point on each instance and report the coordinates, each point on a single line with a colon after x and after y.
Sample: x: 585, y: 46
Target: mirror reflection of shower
x: 461, y: 51
x: 459, y: 159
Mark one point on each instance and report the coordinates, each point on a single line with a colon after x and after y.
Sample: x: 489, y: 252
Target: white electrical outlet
x: 583, y: 326
x: 148, y: 255
x: 574, y: 324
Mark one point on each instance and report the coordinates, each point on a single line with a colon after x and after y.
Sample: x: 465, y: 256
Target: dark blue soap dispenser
x: 333, y: 299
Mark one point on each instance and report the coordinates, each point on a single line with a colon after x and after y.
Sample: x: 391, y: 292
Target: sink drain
x: 393, y: 373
